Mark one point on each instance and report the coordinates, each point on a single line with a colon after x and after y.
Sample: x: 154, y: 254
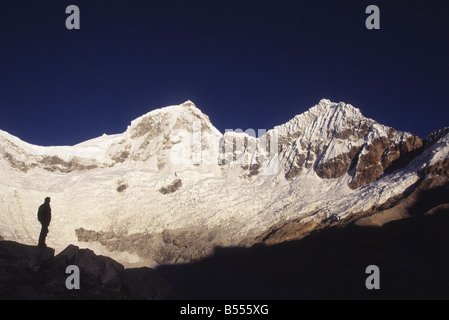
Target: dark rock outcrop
x: 384, y: 155
x: 172, y: 187
x: 338, y: 166
x: 29, y: 272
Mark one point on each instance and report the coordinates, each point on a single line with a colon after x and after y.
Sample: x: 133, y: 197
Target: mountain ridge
x: 172, y: 171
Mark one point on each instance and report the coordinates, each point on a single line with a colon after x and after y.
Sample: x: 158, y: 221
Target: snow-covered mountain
x: 172, y: 182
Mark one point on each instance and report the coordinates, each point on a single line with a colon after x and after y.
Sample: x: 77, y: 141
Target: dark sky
x: 246, y: 64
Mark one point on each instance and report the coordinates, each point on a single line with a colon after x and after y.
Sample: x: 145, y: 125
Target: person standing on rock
x: 44, y: 217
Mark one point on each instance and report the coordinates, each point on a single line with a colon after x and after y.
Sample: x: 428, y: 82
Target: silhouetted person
x: 44, y: 217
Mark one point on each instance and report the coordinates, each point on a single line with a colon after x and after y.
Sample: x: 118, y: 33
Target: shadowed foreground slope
x: 412, y: 254
x: 29, y: 272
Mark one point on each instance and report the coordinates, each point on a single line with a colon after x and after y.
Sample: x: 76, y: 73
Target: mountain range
x: 172, y: 188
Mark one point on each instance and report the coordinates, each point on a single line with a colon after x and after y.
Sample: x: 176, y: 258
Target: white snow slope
x: 112, y: 183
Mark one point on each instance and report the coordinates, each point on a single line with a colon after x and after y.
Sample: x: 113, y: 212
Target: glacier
x: 234, y: 181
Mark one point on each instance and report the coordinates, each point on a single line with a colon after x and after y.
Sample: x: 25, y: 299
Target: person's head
x: 47, y: 200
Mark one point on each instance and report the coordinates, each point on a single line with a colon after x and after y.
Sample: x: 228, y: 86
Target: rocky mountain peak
x: 326, y: 105
x: 336, y: 139
x: 167, y: 119
x: 189, y: 104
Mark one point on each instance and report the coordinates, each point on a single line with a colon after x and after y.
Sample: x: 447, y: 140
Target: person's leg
x: 42, y: 236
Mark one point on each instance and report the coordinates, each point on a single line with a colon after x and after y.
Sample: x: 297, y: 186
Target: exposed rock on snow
x: 170, y: 246
x: 175, y: 185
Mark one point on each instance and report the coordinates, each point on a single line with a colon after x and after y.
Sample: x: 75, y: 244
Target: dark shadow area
x: 33, y: 273
x: 412, y: 254
x: 429, y: 198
